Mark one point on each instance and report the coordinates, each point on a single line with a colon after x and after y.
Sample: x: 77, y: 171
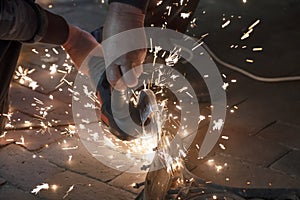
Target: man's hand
x: 124, y: 71
x: 79, y: 44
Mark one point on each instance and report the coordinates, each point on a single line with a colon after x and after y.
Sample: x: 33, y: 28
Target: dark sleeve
x: 141, y: 4
x: 25, y: 21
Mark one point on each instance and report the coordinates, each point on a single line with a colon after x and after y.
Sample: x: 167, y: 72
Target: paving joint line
x: 10, y: 184
x: 279, y: 157
x: 91, y: 177
x: 263, y: 128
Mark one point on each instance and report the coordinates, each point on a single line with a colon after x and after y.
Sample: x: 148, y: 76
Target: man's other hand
x: 124, y: 71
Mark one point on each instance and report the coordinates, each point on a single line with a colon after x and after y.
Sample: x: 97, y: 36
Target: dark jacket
x: 23, y: 21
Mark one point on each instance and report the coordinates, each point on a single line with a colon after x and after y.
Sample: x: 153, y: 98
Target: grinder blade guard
x: 118, y: 113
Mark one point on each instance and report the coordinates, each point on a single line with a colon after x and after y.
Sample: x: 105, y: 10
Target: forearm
x: 24, y: 21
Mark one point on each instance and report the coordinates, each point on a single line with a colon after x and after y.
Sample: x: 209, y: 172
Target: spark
x: 198, y: 45
x: 244, y: 1
x: 218, y: 168
x: 249, y: 61
x: 226, y: 24
x: 8, y: 116
x: 43, y: 186
x: 193, y: 23
x: 247, y: 34
x: 24, y: 79
x: 70, y: 158
x: 211, y: 162
x: 225, y: 86
x: 35, y: 51
x: 257, y: 49
x: 185, y: 15
x: 95, y: 136
x: 55, y: 51
x: 60, y: 84
x: 178, y: 107
x: 33, y: 85
x: 218, y: 124
x: 225, y: 137
x: 173, y: 77
x: 182, y: 89
x: 214, y: 197
x: 222, y: 146
x: 250, y: 30
x: 54, y: 187
x: 159, y: 2
x: 69, y: 190
x: 151, y: 46
x: 169, y: 8
x: 201, y: 118
x: 189, y: 95
x: 173, y: 57
x: 70, y: 148
x: 233, y: 81
x: 22, y: 141
x: 3, y: 135
x: 254, y: 24
x: 53, y: 68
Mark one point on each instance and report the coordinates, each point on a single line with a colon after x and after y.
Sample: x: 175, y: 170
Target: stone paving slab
x: 10, y: 192
x: 50, y: 64
x: 35, y: 104
x: 21, y: 120
x: 285, y: 134
x: 263, y: 105
x: 237, y: 173
x: 127, y: 181
x: 83, y: 188
x: 35, y: 139
x: 63, y: 94
x: 238, y: 144
x: 19, y: 167
x: 289, y: 164
x: 220, y: 39
x: 256, y: 150
x: 82, y: 161
x: 247, y: 122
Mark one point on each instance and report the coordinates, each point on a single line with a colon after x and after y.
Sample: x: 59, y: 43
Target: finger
x: 129, y: 76
x: 114, y: 77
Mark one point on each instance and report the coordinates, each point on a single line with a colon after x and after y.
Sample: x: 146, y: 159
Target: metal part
x: 147, y: 104
x: 135, y: 120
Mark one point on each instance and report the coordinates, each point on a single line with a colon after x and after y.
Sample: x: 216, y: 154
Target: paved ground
x: 262, y: 124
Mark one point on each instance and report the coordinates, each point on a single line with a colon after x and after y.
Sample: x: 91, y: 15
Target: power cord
x: 248, y: 74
